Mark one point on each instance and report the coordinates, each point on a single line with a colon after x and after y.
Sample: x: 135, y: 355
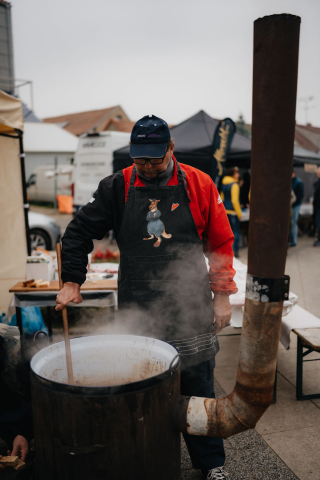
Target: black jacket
x: 316, y: 196
x: 103, y: 213
x: 298, y: 188
x: 15, y: 406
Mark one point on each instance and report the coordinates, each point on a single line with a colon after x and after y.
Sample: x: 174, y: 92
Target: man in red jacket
x: 167, y: 217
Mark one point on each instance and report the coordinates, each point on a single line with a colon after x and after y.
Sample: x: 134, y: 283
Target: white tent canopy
x: 48, y: 137
x: 13, y: 244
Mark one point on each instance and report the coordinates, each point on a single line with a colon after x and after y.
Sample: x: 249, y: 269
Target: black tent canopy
x: 193, y: 146
x: 301, y: 156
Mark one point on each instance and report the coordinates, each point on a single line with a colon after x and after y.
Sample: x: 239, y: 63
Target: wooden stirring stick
x: 65, y: 322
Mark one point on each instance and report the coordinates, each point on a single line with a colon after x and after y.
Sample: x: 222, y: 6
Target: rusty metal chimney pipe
x: 275, y: 69
x: 275, y: 73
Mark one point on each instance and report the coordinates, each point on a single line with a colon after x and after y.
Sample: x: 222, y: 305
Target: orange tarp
x: 65, y: 203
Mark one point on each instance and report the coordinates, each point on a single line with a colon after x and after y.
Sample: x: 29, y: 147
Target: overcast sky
x: 170, y: 57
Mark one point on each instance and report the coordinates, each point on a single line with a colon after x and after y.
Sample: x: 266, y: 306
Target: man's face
x: 236, y: 175
x: 151, y: 171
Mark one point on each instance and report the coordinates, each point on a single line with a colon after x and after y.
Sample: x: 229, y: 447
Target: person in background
x: 245, y: 190
x: 316, y: 208
x: 16, y: 426
x: 298, y: 190
x: 230, y: 194
x: 20, y: 448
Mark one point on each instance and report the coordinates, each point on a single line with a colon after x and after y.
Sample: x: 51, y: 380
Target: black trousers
x: 317, y: 222
x: 205, y: 452
x: 235, y: 226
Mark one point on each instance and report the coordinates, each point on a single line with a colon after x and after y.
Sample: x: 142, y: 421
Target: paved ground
x: 286, y: 441
x: 289, y: 427
x: 248, y: 457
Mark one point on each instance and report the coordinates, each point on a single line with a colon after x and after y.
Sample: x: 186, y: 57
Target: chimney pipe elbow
x: 212, y: 417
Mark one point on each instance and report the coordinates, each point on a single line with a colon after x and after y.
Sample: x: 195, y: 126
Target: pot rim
x: 150, y: 382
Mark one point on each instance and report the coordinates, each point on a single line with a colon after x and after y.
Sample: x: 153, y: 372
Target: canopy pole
x: 24, y: 190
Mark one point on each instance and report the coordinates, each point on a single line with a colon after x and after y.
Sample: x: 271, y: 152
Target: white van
x: 93, y: 162
x: 41, y: 183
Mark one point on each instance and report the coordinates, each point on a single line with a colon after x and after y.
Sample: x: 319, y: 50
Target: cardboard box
x: 40, y: 270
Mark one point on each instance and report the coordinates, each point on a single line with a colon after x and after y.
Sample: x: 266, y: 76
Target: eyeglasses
x: 153, y: 161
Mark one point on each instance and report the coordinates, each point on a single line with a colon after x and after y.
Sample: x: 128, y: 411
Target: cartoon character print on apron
x: 164, y: 289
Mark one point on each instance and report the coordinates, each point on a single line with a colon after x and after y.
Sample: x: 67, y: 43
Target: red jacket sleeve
x: 218, y: 240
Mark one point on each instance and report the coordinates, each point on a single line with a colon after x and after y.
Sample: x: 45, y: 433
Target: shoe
x: 218, y: 473
x: 236, y: 255
x: 316, y: 244
x: 291, y: 245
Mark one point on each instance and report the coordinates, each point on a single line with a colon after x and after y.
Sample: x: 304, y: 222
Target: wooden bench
x: 308, y: 339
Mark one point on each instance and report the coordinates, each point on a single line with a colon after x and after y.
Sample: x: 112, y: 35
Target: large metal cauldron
x: 116, y: 421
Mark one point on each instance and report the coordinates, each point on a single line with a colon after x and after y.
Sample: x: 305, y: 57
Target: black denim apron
x: 164, y: 289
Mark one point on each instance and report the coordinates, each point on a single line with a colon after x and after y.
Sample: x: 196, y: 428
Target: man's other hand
x: 20, y: 448
x: 69, y: 293
x: 221, y: 311
x: 2, y: 467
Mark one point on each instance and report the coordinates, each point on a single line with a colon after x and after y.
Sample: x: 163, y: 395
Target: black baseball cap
x: 149, y: 138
